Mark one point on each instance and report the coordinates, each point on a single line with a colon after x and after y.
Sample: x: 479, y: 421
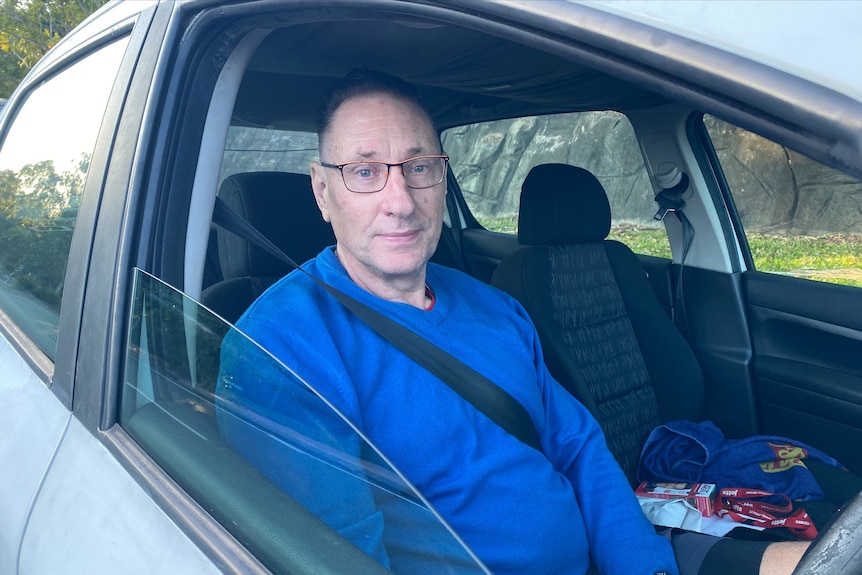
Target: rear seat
x: 282, y: 207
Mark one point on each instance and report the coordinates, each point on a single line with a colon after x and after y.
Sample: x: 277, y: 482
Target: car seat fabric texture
x: 699, y: 453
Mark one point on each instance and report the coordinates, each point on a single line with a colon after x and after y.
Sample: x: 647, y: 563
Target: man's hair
x: 358, y: 83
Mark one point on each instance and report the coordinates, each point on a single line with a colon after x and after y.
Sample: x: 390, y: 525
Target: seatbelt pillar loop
x: 670, y: 199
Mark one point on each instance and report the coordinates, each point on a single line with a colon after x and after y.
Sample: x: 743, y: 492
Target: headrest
x: 281, y: 206
x: 562, y: 204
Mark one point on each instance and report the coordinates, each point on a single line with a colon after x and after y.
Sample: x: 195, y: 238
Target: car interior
x: 269, y: 72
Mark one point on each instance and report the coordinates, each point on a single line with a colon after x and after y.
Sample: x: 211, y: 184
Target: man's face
x: 387, y: 236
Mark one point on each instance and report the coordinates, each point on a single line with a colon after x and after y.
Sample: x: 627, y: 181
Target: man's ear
x: 318, y: 185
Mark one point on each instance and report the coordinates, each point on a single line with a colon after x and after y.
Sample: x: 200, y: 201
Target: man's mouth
x: 404, y: 236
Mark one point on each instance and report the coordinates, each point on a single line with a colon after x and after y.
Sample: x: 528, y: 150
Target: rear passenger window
x: 251, y: 149
x: 491, y: 159
x: 44, y: 160
x: 800, y: 218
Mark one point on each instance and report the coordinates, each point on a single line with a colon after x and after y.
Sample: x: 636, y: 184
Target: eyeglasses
x: 364, y: 177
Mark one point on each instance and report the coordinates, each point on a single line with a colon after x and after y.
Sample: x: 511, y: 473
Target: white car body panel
x: 27, y: 409
x: 67, y: 531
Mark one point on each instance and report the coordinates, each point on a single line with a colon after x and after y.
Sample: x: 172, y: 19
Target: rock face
x: 486, y: 160
x: 778, y: 190
x: 775, y: 190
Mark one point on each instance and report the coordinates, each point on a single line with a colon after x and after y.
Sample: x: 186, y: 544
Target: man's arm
x: 621, y: 539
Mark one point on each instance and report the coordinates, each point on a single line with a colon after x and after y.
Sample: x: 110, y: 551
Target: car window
x: 800, y: 218
x: 490, y: 161
x: 44, y: 162
x: 179, y: 402
x: 252, y: 149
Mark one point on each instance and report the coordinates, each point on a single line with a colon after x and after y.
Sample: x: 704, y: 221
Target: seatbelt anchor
x: 673, y: 184
x: 661, y: 213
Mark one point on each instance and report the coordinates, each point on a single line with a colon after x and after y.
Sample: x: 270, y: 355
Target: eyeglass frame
x: 340, y: 168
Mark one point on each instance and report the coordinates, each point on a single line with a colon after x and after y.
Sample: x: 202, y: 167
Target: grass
x: 828, y: 258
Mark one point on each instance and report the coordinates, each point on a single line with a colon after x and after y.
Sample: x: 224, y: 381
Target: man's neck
x: 406, y: 288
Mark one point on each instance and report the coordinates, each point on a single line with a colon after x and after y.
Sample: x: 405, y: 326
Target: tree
x: 10, y: 73
x: 29, y: 28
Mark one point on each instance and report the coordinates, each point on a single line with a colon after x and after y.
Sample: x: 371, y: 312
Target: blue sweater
x: 519, y: 510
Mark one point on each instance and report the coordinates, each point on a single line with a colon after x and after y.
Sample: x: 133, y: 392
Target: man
x: 381, y: 184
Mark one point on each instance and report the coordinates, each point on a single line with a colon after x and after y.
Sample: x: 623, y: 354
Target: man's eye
x: 419, y: 168
x: 364, y: 170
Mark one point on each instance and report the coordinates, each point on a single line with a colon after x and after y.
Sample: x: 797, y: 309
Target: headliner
x: 461, y: 75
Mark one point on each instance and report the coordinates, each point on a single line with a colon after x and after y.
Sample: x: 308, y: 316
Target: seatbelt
x: 670, y: 200
x: 486, y: 396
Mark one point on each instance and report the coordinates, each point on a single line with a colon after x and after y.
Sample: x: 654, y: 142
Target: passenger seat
x: 605, y: 336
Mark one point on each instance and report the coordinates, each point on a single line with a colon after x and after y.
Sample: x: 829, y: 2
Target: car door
x: 149, y: 366
x: 797, y: 221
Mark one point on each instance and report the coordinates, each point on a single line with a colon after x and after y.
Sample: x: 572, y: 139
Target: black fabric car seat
x: 280, y: 205
x: 605, y: 336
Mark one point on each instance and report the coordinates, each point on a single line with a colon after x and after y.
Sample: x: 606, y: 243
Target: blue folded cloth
x: 697, y: 452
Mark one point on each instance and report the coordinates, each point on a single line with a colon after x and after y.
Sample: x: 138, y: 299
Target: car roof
x: 818, y: 40
x: 471, y: 75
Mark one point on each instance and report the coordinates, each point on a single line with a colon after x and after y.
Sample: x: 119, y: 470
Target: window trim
x: 719, y: 191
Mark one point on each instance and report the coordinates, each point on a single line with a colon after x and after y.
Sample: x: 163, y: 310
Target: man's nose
x: 398, y: 196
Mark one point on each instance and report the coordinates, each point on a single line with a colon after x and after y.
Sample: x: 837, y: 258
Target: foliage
x: 38, y: 208
x: 10, y: 73
x: 505, y: 224
x: 647, y: 241
x: 29, y: 28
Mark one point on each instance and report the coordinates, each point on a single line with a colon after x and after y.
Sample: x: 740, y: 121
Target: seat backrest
x: 605, y: 336
x: 280, y: 205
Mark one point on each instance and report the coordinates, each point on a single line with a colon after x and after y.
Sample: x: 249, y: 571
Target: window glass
x: 43, y: 165
x: 490, y: 160
x: 250, y: 149
x: 321, y: 467
x: 800, y: 218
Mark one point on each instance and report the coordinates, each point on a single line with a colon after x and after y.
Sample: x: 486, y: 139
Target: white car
x: 117, y: 285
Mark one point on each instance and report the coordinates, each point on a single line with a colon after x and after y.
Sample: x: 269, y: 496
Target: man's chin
x: 402, y: 265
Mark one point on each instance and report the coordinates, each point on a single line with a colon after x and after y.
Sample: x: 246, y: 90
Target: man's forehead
x: 362, y: 123
x: 362, y: 106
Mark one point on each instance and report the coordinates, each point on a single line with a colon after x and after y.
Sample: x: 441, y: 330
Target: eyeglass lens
x: 371, y: 176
